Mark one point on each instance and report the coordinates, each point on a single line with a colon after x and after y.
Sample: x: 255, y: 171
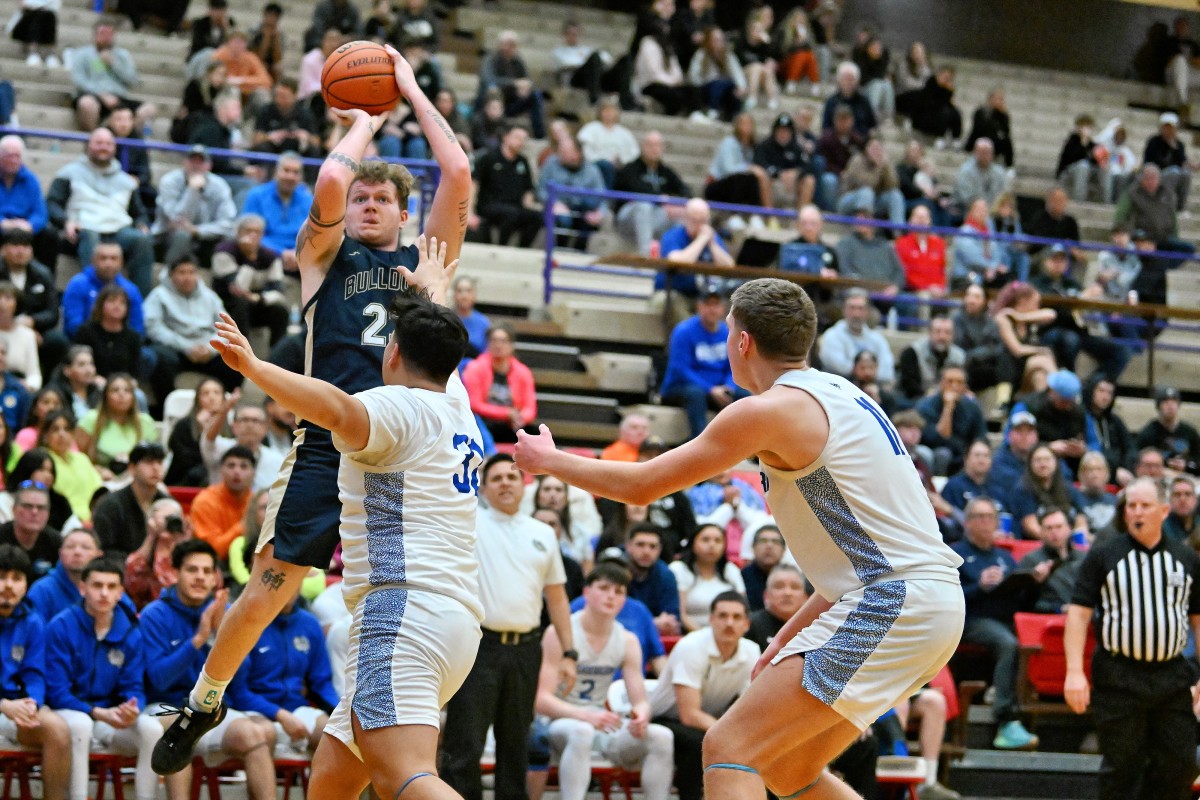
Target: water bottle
x: 414, y: 208
x: 655, y: 249
x: 892, y: 318
x: 293, y: 320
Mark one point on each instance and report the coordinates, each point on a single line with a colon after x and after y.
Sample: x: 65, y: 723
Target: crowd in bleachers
x: 90, y: 539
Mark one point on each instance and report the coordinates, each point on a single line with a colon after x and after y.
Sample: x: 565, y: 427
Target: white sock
x: 207, y: 693
x: 931, y: 770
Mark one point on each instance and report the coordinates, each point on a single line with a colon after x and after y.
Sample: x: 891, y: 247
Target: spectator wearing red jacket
x: 923, y: 255
x: 501, y: 387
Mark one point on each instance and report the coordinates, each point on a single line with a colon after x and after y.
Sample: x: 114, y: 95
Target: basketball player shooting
x: 409, y: 455
x: 888, y: 610
x: 348, y: 252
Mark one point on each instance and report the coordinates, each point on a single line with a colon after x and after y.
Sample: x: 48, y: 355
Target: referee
x: 1143, y: 589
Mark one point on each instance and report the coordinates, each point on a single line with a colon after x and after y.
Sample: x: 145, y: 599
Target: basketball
x: 360, y: 75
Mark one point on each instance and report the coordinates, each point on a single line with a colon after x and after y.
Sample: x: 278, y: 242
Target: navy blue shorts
x: 304, y: 515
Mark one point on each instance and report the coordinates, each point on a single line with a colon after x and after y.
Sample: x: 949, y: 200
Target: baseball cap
x: 147, y: 450
x: 1140, y: 235
x: 1056, y: 250
x: 198, y: 150
x: 614, y: 555
x: 1165, y: 393
x: 710, y: 290
x: 784, y: 121
x: 16, y: 236
x: 1168, y: 118
x: 1022, y: 418
x: 653, y: 444
x: 1065, y: 384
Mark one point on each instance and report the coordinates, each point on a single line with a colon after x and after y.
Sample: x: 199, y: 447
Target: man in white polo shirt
x: 705, y: 673
x: 519, y: 563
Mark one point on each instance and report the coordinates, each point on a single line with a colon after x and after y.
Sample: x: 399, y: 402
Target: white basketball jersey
x: 595, y: 671
x: 409, y: 497
x: 859, y: 512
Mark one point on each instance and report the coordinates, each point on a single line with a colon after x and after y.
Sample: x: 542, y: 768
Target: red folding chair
x: 17, y: 765
x: 289, y: 772
x: 107, y: 767
x: 1042, y: 668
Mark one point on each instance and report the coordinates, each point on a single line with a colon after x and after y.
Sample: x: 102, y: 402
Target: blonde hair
x: 376, y: 172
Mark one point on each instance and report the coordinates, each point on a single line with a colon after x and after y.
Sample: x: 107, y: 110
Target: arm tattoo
x: 343, y: 159
x: 303, y: 238
x: 314, y: 216
x: 462, y: 215
x: 273, y: 580
x: 440, y: 121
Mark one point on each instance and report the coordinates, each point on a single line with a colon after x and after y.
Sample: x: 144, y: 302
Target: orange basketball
x: 360, y: 75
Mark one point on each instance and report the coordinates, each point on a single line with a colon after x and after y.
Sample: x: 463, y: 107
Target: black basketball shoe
x: 174, y: 750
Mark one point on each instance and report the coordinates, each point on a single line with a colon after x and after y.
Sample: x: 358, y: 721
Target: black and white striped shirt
x: 1143, y: 597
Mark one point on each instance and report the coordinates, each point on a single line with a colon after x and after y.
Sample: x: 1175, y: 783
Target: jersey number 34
x: 468, y: 481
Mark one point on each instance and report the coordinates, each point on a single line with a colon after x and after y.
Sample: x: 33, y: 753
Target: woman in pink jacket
x: 501, y: 387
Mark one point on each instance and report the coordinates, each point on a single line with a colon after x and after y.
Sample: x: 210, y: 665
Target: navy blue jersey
x: 348, y: 329
x: 348, y: 325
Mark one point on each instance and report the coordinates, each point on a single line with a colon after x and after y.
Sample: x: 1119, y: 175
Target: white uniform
x: 408, y: 538
x: 696, y: 662
x: 862, y: 530
x: 595, y: 671
x: 574, y: 741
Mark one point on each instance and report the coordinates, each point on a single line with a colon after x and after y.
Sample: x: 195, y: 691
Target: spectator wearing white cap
x: 1166, y: 151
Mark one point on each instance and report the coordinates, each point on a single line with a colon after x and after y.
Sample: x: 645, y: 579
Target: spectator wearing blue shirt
x: 653, y: 584
x: 636, y: 618
x: 289, y: 681
x: 81, y: 291
x: 583, y: 214
x: 989, y: 619
x: 22, y: 205
x: 283, y: 202
x: 710, y: 494
x: 975, y: 479
x: 477, y: 324
x: 176, y: 633
x: 694, y: 241
x: 25, y: 719
x: 62, y: 587
x: 698, y: 375
x: 952, y: 421
x: 94, y: 670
